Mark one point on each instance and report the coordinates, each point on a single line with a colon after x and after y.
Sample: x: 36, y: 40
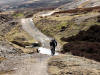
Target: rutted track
x: 40, y: 66
x: 29, y: 27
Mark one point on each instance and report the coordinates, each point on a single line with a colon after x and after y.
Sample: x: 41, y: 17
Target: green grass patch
x: 18, y: 34
x: 18, y: 15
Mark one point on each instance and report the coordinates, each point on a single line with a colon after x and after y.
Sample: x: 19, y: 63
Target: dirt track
x: 29, y: 27
x: 35, y: 65
x: 26, y: 64
x: 40, y: 65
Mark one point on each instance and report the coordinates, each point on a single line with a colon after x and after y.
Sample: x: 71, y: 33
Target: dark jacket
x: 53, y: 43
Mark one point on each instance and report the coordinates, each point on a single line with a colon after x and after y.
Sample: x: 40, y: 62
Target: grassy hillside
x: 11, y: 31
x: 19, y: 38
x: 78, y: 33
x: 66, y: 24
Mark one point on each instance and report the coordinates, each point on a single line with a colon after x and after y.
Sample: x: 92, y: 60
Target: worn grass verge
x: 19, y: 35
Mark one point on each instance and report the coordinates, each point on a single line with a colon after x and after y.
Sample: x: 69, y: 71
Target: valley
x: 27, y: 27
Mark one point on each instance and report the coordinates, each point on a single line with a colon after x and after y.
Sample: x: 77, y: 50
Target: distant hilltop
x: 22, y: 4
x: 79, y: 4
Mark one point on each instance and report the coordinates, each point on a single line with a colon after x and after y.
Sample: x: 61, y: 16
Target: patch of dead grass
x: 2, y: 58
x: 19, y: 35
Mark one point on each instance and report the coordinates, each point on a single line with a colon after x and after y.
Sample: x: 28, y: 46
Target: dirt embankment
x: 7, y: 22
x: 72, y: 65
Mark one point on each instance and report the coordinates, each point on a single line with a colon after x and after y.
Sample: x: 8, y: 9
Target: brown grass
x: 19, y: 35
x: 80, y: 10
x: 2, y: 58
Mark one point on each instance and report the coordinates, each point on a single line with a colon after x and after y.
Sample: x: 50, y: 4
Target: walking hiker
x: 53, y: 44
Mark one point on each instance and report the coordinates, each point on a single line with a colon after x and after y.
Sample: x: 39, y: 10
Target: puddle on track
x: 45, y: 51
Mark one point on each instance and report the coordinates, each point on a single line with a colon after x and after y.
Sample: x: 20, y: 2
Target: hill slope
x: 20, y: 4
x: 79, y: 4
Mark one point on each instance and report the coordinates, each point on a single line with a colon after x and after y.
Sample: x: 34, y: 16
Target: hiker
x: 53, y: 44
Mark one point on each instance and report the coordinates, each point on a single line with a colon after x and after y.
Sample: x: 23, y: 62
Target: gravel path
x: 26, y: 64
x: 34, y: 65
x: 29, y: 27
